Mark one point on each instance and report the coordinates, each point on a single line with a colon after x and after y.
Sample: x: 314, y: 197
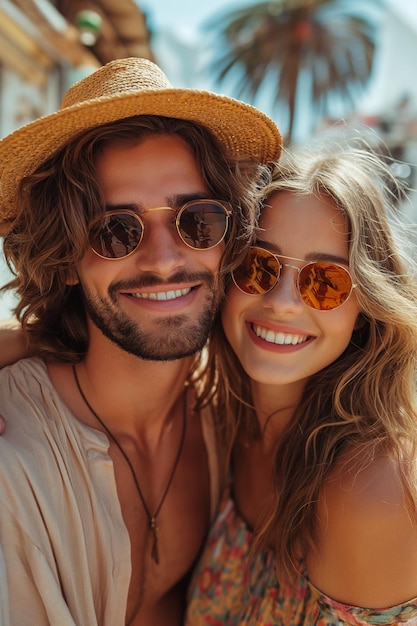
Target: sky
x: 187, y: 17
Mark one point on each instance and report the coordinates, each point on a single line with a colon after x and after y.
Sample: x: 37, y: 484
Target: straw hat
x: 121, y: 89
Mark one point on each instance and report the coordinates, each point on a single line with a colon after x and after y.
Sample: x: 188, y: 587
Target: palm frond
x: 276, y: 44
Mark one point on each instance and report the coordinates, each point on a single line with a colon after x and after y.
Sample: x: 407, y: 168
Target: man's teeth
x: 283, y: 339
x: 162, y: 295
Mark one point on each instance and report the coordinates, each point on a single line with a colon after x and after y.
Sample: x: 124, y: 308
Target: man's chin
x: 163, y: 350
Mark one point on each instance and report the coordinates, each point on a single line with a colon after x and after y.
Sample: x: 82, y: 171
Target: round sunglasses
x: 322, y: 285
x: 201, y: 225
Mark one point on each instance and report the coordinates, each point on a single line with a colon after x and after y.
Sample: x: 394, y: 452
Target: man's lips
x: 171, y: 294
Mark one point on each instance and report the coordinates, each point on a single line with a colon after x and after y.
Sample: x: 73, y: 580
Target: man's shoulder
x: 22, y: 378
x: 26, y: 398
x: 29, y: 369
x: 23, y: 383
x: 35, y: 441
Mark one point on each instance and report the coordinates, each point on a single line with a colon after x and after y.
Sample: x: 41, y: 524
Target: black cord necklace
x: 152, y: 519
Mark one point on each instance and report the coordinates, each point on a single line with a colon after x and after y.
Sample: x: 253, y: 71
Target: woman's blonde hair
x: 366, y: 398
x: 58, y: 201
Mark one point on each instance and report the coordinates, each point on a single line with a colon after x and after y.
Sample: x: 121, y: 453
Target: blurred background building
x: 45, y: 46
x: 320, y: 68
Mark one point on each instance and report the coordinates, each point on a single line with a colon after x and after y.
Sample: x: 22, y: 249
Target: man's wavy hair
x: 367, y: 397
x: 58, y: 201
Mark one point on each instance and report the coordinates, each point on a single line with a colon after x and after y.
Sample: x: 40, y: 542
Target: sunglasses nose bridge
x: 150, y: 226
x: 293, y: 267
x: 285, y: 291
x: 157, y: 208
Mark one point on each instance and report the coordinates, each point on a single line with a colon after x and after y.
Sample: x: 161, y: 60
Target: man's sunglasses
x: 323, y: 286
x: 201, y: 225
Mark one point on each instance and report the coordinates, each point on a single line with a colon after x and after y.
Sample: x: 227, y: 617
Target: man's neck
x: 131, y: 396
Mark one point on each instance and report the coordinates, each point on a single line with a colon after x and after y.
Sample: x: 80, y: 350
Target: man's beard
x: 176, y: 337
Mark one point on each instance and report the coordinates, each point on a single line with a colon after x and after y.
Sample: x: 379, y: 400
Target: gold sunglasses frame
x: 297, y: 282
x: 179, y: 211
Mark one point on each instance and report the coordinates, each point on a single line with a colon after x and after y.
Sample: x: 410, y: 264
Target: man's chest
x: 167, y: 531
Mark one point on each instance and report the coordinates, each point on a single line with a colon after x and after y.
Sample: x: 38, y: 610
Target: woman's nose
x: 284, y: 296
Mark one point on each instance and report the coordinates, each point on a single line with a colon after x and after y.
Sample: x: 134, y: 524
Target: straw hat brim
x: 242, y: 129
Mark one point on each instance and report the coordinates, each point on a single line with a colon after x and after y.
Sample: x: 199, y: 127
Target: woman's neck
x: 275, y: 406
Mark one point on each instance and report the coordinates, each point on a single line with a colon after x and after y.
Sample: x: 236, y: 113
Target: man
x: 108, y: 465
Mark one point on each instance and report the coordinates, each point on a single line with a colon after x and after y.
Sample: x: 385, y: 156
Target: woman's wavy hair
x: 57, y: 202
x: 366, y: 398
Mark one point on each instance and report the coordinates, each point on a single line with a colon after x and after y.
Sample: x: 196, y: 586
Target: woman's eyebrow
x: 268, y: 245
x: 311, y: 256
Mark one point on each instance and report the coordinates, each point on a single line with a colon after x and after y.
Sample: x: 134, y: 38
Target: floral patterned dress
x: 224, y: 592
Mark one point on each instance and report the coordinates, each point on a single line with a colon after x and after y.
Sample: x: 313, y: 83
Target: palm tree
x: 317, y: 50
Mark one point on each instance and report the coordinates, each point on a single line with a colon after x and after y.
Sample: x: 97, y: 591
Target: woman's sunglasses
x: 201, y: 225
x: 323, y: 286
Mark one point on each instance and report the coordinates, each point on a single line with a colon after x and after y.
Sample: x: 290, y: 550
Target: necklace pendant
x: 154, y: 529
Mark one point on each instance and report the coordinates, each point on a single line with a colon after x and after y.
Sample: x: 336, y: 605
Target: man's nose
x: 161, y: 249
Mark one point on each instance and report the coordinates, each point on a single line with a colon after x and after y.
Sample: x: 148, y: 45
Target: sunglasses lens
x: 258, y: 273
x: 115, y: 236
x: 324, y: 286
x: 203, y: 224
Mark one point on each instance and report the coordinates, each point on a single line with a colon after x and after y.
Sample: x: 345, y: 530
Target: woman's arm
x: 12, y: 348
x: 12, y: 342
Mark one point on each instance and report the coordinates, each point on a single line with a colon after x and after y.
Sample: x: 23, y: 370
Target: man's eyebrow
x: 120, y: 206
x: 183, y: 198
x: 172, y: 201
x: 311, y: 256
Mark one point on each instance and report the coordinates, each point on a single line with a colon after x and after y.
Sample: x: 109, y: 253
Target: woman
x: 320, y: 321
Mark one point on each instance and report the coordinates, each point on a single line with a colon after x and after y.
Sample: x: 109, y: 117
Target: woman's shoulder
x: 370, y: 480
x: 366, y: 531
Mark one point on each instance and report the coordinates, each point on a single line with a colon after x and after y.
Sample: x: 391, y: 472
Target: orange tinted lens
x: 203, y: 224
x: 115, y: 236
x: 324, y: 286
x: 258, y: 273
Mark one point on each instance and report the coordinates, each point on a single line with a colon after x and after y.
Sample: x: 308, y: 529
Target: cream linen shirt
x: 64, y: 548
